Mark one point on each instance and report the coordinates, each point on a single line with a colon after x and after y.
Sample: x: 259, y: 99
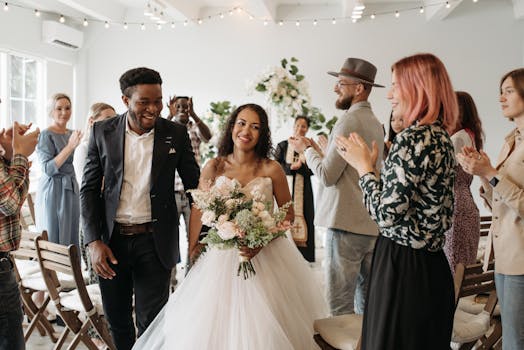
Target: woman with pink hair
x: 410, y: 301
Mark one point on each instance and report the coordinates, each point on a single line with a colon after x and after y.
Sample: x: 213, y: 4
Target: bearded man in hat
x: 351, y: 233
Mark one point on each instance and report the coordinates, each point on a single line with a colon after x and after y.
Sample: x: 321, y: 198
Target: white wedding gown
x: 214, y: 309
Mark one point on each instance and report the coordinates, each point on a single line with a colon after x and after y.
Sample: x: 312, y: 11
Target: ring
x: 343, y: 149
x: 479, y: 157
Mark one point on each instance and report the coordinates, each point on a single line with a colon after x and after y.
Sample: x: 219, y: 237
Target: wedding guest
x: 463, y: 237
x: 351, y: 233
x: 503, y: 192
x: 97, y: 112
x: 16, y: 145
x: 410, y: 301
x: 130, y: 224
x: 181, y: 111
x: 57, y: 200
x: 396, y: 125
x: 299, y: 180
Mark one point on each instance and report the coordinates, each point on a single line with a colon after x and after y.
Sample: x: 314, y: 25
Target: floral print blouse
x: 412, y: 202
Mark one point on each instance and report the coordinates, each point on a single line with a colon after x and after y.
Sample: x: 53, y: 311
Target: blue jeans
x: 348, y: 263
x: 510, y: 290
x: 11, y: 333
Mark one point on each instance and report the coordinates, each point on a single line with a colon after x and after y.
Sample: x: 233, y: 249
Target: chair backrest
x: 485, y: 224
x: 473, y: 280
x: 55, y: 258
x: 27, y: 249
x: 27, y: 213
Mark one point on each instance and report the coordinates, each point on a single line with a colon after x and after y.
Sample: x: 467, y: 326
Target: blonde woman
x: 58, y: 204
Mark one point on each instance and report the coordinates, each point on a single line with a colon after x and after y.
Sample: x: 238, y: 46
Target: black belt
x: 4, y: 255
x: 5, y: 262
x: 135, y: 229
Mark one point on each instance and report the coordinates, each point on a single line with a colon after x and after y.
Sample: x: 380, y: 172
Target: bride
x: 214, y: 308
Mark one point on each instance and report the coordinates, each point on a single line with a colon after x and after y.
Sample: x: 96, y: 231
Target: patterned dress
x: 410, y: 300
x: 462, y: 239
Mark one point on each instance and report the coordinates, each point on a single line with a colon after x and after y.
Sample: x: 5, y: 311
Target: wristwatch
x: 494, y: 181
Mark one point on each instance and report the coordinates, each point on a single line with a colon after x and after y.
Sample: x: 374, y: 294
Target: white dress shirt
x: 135, y: 205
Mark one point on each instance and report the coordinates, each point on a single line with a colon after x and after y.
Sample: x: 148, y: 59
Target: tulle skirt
x: 215, y: 309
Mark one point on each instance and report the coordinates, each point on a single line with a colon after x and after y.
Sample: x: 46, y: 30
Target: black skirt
x: 410, y: 300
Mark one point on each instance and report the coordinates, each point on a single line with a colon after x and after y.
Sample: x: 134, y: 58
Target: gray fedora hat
x: 358, y: 69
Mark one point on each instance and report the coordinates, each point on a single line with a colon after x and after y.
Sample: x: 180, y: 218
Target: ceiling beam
x: 347, y: 7
x: 439, y: 10
x: 102, y: 10
x: 518, y: 8
x: 266, y: 9
x: 181, y: 8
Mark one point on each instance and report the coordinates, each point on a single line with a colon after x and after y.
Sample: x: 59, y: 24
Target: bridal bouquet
x: 238, y: 220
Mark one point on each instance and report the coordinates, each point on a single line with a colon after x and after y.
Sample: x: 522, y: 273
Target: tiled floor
x: 36, y: 342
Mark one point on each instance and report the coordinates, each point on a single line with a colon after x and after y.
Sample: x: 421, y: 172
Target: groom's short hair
x: 138, y: 76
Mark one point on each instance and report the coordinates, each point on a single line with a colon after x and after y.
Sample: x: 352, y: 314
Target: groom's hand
x: 100, y: 253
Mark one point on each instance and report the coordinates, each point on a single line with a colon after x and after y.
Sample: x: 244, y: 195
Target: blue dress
x: 57, y: 199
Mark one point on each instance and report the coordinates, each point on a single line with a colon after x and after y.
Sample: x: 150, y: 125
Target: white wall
x: 22, y: 33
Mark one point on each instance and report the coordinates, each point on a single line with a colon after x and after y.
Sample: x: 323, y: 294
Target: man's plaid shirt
x: 14, y: 184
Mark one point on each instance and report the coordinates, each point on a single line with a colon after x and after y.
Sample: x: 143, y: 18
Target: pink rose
x: 227, y: 230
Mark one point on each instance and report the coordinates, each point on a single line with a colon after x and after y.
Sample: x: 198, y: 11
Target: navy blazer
x: 172, y: 151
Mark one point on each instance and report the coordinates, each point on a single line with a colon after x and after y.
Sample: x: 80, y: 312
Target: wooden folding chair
x: 30, y: 281
x: 27, y: 213
x: 339, y: 332
x: 80, y: 308
x: 485, y: 225
x: 471, y: 328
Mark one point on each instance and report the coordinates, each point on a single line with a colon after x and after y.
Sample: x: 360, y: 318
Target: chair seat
x: 470, y: 305
x: 468, y: 327
x: 341, y: 332
x: 35, y: 281
x: 71, y: 300
x: 27, y: 267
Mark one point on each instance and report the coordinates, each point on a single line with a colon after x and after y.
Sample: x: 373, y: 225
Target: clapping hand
x: 22, y: 142
x: 322, y: 143
x: 75, y: 139
x: 476, y: 163
x: 354, y: 150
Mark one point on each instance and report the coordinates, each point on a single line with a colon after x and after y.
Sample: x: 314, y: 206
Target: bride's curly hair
x: 263, y: 148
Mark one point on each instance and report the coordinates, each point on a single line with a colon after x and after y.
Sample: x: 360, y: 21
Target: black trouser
x: 11, y: 334
x: 138, y: 269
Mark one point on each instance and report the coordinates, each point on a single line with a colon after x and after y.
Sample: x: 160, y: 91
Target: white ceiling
x: 120, y: 11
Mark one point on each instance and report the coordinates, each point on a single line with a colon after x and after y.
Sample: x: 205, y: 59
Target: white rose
x: 227, y: 230
x: 208, y: 217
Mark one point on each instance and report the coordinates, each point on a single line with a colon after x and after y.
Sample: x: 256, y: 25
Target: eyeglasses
x: 340, y: 83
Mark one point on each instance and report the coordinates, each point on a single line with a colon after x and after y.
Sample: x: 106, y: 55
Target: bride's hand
x: 195, y: 252
x: 249, y: 252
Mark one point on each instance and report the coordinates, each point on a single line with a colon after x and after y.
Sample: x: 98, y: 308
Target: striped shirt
x: 14, y: 184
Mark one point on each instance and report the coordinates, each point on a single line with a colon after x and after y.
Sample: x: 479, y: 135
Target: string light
x: 475, y: 0
x: 158, y: 26
x: 159, y: 19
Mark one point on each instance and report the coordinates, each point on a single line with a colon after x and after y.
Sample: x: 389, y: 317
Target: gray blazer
x: 339, y: 200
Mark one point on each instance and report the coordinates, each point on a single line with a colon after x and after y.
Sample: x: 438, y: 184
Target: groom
x: 128, y: 204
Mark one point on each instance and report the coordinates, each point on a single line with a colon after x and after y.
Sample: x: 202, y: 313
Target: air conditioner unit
x: 62, y: 35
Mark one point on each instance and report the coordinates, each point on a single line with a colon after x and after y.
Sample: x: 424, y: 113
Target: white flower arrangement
x: 215, y: 118
x: 237, y: 220
x: 284, y: 88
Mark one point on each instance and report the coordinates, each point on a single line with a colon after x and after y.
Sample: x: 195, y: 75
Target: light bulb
x: 448, y: 5
x: 62, y: 19
x: 143, y: 26
x: 37, y: 13
x: 334, y: 21
x: 421, y: 9
x: 315, y: 22
x: 125, y: 26
x: 397, y: 14
x: 106, y: 25
x: 6, y: 7
x: 86, y: 23
x: 173, y: 25
x: 373, y: 16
